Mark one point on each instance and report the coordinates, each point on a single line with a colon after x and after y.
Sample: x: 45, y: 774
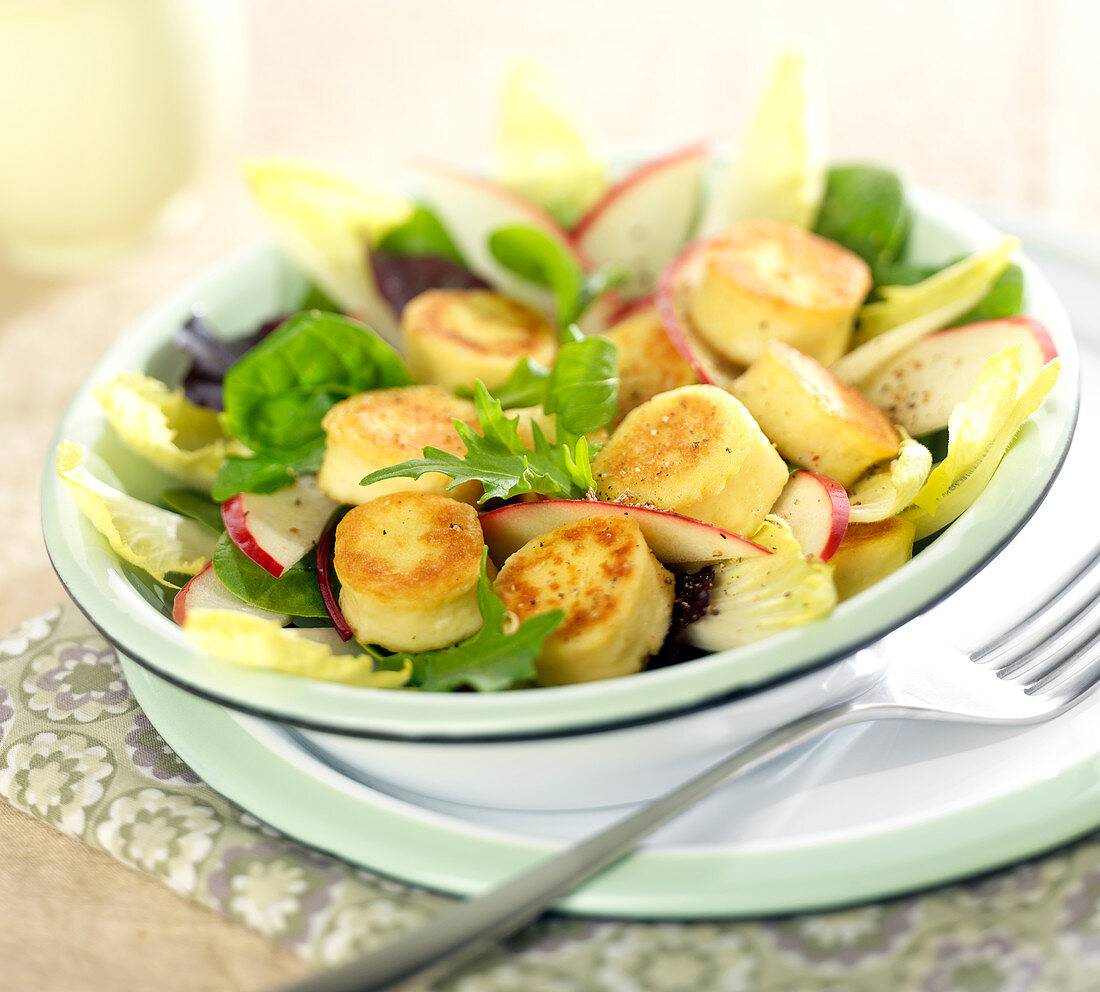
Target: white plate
x: 868, y: 812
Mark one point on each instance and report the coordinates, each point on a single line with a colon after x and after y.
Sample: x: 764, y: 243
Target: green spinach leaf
x: 295, y: 591
x: 277, y: 394
x: 422, y: 234
x: 864, y: 209
x: 198, y: 506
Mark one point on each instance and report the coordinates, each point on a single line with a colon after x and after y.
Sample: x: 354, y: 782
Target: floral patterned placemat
x: 77, y: 752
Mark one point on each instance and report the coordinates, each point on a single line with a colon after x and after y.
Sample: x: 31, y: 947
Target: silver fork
x: 1037, y: 669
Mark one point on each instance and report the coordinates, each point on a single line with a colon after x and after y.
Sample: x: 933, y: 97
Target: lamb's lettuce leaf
x: 198, y: 506
x: 864, y: 209
x: 154, y: 539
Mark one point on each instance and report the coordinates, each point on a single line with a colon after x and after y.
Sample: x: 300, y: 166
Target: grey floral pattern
x: 7, y: 713
x: 152, y: 757
x: 1081, y: 916
x: 981, y: 962
x: 76, y: 682
x: 76, y: 752
x: 28, y: 633
x: 163, y: 833
x: 672, y: 958
x: 277, y: 889
x: 58, y: 778
x: 845, y: 938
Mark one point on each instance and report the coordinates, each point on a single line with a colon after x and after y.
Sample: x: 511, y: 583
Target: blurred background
x: 981, y: 99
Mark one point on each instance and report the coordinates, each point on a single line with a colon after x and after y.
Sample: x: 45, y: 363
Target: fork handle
x: 466, y: 929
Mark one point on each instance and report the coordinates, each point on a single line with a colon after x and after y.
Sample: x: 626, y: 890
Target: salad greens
x: 546, y: 150
x: 421, y: 234
x: 951, y: 292
x: 864, y: 209
x: 278, y: 393
x: 499, y: 459
x: 195, y: 505
x: 489, y: 660
x: 295, y: 592
x: 156, y: 540
x: 535, y: 256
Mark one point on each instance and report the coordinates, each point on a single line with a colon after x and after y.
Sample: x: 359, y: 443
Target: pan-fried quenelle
x: 408, y: 565
x: 674, y: 424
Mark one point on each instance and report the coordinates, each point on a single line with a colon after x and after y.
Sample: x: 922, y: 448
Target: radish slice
x: 816, y: 508
x: 675, y: 283
x: 324, y: 582
x: 674, y: 539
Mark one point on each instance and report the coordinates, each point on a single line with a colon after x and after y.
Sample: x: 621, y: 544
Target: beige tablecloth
x: 985, y: 99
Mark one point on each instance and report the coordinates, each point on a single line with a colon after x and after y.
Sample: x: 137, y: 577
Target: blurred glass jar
x: 109, y: 110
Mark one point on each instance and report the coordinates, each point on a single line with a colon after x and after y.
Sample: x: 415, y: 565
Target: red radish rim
x: 324, y: 579
x: 632, y: 508
x: 1038, y: 329
x: 179, y: 601
x: 236, y: 526
x: 699, y: 149
x: 838, y: 496
x: 665, y: 301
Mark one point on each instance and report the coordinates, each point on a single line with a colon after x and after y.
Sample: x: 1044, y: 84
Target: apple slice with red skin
x: 206, y: 591
x: 920, y: 387
x: 640, y: 224
x: 675, y: 284
x: 276, y: 529
x: 472, y: 208
x: 817, y: 508
x: 674, y: 539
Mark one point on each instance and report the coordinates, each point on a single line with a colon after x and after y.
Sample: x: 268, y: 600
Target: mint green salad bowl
x: 798, y: 668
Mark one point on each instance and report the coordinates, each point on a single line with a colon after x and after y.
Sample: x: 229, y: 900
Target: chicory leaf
x: 402, y: 278
x: 295, y: 591
x: 277, y: 394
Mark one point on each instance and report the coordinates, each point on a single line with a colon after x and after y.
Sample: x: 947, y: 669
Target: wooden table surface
x: 979, y: 99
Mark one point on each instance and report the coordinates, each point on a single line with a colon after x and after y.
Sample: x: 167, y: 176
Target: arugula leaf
x: 535, y: 256
x: 499, y: 459
x: 864, y: 209
x: 526, y: 385
x: 276, y: 395
x: 421, y: 234
x: 250, y: 475
x: 198, y: 506
x: 295, y: 591
x: 488, y: 661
